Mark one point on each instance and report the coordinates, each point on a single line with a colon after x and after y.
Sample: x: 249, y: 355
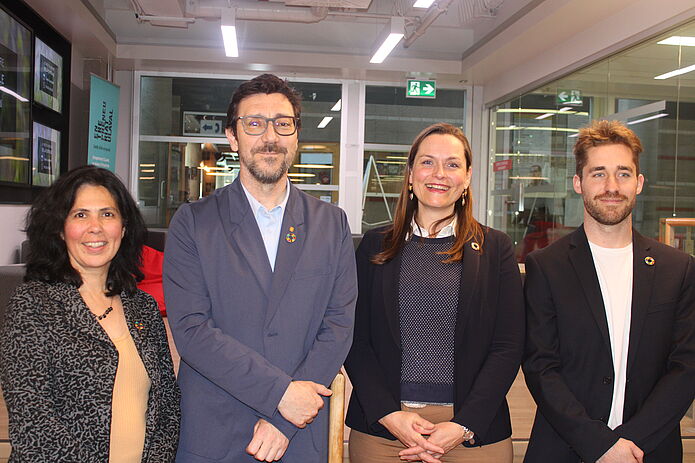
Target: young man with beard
x: 260, y: 286
x: 610, y: 353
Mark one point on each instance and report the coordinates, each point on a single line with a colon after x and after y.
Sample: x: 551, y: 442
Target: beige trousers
x: 372, y: 449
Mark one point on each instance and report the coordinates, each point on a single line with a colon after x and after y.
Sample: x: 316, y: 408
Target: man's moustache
x: 611, y: 196
x: 269, y: 148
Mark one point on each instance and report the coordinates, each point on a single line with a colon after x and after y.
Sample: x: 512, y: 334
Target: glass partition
x: 532, y: 136
x: 184, y: 155
x: 392, y: 121
x: 15, y: 100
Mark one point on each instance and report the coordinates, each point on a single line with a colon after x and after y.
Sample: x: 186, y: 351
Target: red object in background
x: 502, y: 165
x: 152, y: 261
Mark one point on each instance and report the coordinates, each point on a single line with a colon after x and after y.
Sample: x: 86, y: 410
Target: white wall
x: 11, y: 234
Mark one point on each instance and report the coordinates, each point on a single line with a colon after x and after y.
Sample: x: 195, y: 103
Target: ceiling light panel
x: 228, y: 27
x: 682, y: 41
x: 389, y: 38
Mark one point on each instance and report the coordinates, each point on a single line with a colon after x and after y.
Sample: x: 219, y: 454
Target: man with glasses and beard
x: 610, y: 350
x: 260, y: 286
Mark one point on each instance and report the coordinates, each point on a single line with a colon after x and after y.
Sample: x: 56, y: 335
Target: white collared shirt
x: 269, y: 222
x: 447, y: 231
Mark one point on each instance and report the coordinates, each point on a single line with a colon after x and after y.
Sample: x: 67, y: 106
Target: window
x: 532, y: 137
x: 392, y: 122
x: 183, y: 154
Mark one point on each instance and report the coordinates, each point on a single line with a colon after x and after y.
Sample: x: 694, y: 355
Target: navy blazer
x: 489, y: 338
x: 243, y: 331
x: 568, y: 364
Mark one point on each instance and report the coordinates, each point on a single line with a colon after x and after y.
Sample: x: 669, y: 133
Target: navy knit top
x: 428, y: 294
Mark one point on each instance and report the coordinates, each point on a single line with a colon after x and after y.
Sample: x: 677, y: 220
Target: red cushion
x: 152, y: 269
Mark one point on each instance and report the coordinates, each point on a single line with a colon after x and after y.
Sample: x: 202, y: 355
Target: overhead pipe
x: 211, y: 9
x: 433, y: 13
x: 151, y: 18
x: 312, y: 15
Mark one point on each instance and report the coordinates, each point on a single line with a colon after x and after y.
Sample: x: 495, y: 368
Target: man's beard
x: 264, y: 175
x: 609, y: 215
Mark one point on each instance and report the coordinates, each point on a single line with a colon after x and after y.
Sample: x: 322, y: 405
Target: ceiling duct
x: 293, y: 15
x: 472, y: 10
x: 165, y: 12
x: 432, y: 14
x: 337, y: 4
x: 259, y: 12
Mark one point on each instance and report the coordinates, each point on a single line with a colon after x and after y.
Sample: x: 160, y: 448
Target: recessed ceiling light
x: 324, y: 122
x: 678, y: 40
x: 228, y: 27
x: 676, y: 72
x: 423, y: 3
x: 644, y: 119
x: 392, y: 34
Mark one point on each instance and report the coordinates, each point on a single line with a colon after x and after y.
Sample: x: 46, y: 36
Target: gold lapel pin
x: 649, y: 260
x: 139, y: 325
x: 475, y: 246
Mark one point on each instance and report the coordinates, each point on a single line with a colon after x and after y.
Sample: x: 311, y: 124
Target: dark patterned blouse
x: 57, y: 370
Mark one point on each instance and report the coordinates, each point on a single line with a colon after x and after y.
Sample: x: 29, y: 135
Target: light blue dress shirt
x: 269, y: 222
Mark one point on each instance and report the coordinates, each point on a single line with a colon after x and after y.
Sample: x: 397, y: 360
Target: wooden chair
x: 336, y: 420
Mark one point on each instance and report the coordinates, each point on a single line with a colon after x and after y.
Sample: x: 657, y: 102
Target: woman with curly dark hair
x: 86, y: 370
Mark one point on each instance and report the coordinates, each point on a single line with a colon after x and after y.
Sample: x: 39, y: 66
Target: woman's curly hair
x: 48, y: 258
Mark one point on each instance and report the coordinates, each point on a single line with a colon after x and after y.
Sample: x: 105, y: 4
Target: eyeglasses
x: 257, y: 125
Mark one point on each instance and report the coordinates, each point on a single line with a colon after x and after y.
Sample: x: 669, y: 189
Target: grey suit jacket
x: 243, y: 331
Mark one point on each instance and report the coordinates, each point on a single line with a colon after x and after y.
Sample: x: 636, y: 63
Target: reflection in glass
x: 383, y: 178
x: 532, y: 136
x: 15, y: 93
x: 679, y: 233
x: 184, y: 154
x: 392, y: 122
x: 392, y: 118
x: 532, y: 168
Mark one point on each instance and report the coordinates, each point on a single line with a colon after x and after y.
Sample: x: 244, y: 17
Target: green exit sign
x: 421, y: 89
x: 569, y: 97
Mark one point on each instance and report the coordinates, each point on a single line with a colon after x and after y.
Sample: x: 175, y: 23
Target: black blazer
x: 568, y: 364
x: 489, y: 339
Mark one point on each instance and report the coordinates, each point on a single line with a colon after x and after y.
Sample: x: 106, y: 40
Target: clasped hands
x: 299, y: 405
x: 411, y: 429
x: 623, y: 451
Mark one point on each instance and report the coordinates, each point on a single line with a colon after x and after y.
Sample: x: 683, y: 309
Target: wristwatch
x: 467, y: 434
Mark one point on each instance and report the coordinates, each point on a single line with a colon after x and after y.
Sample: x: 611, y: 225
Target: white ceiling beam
x: 157, y: 56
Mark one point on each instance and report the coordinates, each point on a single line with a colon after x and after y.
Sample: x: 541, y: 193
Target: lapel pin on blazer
x: 475, y: 246
x: 649, y: 260
x: 139, y: 325
x: 291, y: 237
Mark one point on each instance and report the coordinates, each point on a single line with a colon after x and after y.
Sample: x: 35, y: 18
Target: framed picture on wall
x: 48, y: 77
x: 46, y: 155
